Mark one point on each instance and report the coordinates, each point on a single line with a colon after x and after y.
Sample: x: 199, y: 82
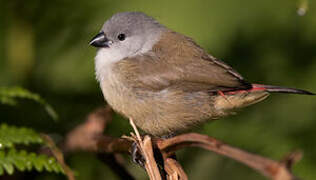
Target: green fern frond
x: 9, y: 96
x: 10, y: 135
x: 22, y: 161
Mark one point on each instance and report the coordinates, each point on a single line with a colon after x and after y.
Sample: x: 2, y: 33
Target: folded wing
x: 177, y: 61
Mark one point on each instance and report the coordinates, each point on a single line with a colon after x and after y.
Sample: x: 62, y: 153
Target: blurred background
x: 44, y: 48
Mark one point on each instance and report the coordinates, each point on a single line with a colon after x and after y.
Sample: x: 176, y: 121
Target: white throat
x: 104, y: 60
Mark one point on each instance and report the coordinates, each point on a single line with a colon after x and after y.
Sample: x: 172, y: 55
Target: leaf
x: 8, y: 167
x: 9, y: 96
x: 10, y: 135
x: 12, y: 160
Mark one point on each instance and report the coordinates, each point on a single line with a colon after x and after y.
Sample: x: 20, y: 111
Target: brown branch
x: 174, y: 170
x: 83, y: 137
x: 108, y: 144
x: 88, y: 137
x: 270, y: 168
x: 146, y: 148
x: 150, y: 162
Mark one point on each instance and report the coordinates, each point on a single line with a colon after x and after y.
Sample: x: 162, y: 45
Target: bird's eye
x: 121, y: 37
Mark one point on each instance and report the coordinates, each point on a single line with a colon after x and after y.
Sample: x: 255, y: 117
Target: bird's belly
x: 158, y: 113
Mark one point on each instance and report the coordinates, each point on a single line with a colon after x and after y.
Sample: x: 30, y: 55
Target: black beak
x: 100, y: 40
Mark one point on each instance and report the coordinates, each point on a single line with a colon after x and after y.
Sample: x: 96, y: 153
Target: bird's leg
x: 137, y: 157
x: 136, y: 154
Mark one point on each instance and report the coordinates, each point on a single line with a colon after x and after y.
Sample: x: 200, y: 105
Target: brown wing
x: 177, y: 61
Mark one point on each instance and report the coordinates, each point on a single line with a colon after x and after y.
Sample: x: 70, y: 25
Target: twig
x: 135, y: 129
x: 105, y: 144
x: 146, y: 148
x: 272, y: 169
x: 174, y: 170
x: 88, y: 137
x: 59, y: 156
x: 83, y: 137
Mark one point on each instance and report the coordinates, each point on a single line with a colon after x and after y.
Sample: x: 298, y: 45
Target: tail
x: 279, y: 89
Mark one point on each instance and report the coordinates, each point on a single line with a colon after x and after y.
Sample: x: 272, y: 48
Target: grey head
x: 127, y: 34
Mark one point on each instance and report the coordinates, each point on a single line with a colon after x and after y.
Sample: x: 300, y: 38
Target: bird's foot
x: 137, y: 157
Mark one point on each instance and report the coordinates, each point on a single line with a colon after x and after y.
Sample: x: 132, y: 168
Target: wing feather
x: 177, y: 61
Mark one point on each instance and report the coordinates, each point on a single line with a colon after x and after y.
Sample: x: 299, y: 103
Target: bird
x: 164, y: 81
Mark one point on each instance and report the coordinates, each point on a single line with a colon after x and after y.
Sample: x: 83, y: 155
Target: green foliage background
x: 44, y: 48
x: 13, y: 158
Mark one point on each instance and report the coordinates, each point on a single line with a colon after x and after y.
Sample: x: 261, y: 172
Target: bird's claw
x: 137, y: 157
